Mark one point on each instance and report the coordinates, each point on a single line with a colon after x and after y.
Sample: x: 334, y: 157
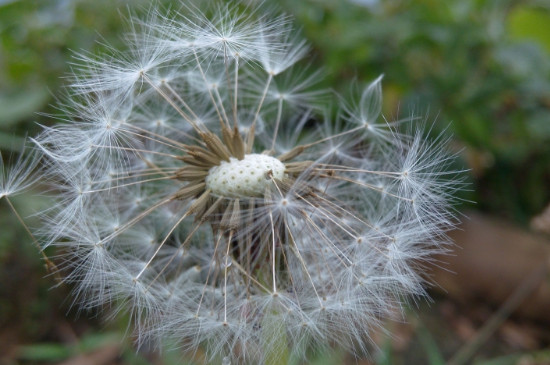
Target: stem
x: 50, y: 266
x: 277, y: 122
x: 275, y: 340
x: 250, y: 139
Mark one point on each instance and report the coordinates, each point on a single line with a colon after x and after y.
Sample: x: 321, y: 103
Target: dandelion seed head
x: 203, y: 185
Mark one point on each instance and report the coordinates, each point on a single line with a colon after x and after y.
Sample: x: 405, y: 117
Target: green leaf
x: 44, y: 352
x: 94, y: 341
x: 385, y: 356
x: 430, y: 346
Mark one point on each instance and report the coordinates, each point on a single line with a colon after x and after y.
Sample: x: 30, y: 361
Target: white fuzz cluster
x: 202, y: 184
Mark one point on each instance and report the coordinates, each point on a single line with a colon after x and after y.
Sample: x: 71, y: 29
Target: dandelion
x: 203, y: 186
x: 15, y: 180
x: 18, y: 177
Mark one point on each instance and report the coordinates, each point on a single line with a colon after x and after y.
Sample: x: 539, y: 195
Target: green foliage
x: 37, y: 42
x: 531, y: 23
x: 430, y: 347
x: 56, y: 352
x: 44, y: 352
x: 385, y: 357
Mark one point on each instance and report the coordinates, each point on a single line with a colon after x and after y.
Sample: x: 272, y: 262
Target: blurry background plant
x: 482, y: 65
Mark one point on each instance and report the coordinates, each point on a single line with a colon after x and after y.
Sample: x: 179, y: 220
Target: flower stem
x: 275, y: 340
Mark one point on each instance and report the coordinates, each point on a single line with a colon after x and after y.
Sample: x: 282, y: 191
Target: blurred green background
x: 480, y: 69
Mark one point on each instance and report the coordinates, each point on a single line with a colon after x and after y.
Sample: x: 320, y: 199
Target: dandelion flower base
x: 244, y: 178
